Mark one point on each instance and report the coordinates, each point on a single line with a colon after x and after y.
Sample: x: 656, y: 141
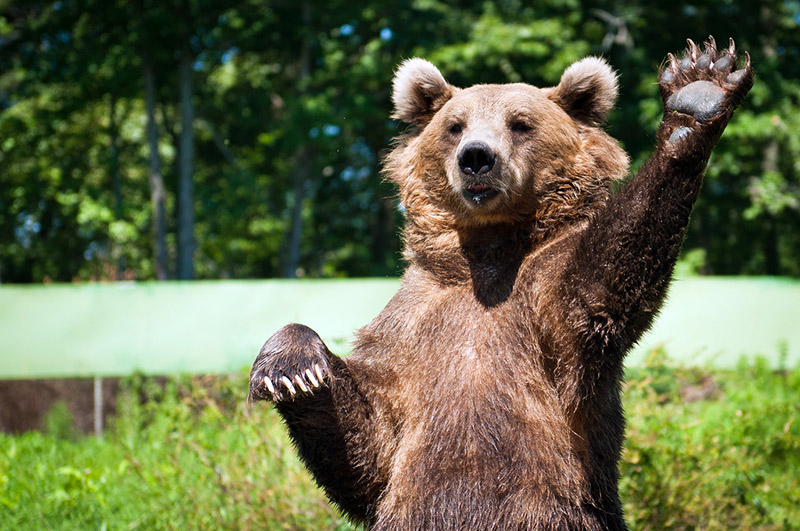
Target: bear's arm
x: 624, y: 260
x: 328, y: 416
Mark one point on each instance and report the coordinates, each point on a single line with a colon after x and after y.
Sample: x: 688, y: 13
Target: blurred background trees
x: 238, y: 139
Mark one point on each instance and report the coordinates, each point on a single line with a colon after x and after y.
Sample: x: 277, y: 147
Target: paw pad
x: 679, y: 134
x: 701, y: 99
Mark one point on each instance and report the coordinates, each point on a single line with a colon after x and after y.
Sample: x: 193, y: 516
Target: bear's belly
x: 483, y: 439
x: 486, y: 462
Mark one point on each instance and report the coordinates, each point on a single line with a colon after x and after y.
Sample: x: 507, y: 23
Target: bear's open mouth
x: 479, y: 193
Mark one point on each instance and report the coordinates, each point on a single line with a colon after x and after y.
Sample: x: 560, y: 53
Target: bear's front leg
x: 624, y: 260
x: 328, y: 416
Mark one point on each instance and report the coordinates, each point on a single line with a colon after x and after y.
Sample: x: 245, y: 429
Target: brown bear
x: 486, y: 395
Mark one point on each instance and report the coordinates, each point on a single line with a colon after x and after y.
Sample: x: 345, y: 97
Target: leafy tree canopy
x: 290, y: 106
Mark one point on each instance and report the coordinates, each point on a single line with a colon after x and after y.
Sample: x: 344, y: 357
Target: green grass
x: 195, y: 456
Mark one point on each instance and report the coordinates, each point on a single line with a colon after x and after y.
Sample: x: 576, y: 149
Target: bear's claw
x: 282, y: 385
x: 703, y: 84
x: 302, y: 383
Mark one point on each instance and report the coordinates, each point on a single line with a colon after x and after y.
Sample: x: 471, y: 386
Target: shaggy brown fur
x: 486, y: 395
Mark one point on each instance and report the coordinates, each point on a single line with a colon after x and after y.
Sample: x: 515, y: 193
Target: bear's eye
x: 518, y: 126
x: 456, y: 128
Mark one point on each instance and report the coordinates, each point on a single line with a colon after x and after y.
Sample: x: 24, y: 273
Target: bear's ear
x: 587, y: 90
x: 418, y: 91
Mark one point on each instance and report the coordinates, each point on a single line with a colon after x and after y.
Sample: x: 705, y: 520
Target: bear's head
x: 508, y: 154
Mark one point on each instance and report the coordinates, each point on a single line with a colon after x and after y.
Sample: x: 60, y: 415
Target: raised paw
x: 703, y: 85
x: 292, y: 363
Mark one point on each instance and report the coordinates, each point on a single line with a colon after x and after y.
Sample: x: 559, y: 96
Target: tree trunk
x: 302, y: 174
x: 157, y: 193
x: 185, y: 182
x: 769, y: 165
x: 382, y: 234
x: 302, y: 167
x: 116, y: 185
x: 771, y: 158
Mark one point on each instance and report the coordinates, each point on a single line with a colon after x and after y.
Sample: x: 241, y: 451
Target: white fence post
x: 98, y: 407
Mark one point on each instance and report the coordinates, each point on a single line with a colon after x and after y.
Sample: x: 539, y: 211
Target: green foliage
x: 714, y: 450
x: 58, y: 422
x: 292, y: 102
x: 705, y: 449
x: 186, y: 454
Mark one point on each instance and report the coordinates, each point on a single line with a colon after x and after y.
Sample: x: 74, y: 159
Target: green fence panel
x: 169, y: 327
x: 218, y: 326
x: 719, y: 320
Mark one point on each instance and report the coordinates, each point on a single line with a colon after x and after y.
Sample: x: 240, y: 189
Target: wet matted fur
x: 486, y: 395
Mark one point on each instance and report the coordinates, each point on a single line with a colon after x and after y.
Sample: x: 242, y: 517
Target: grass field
x: 705, y: 450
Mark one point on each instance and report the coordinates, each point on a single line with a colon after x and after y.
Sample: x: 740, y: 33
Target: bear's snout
x: 476, y: 158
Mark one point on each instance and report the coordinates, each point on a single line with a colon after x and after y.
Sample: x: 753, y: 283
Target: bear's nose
x: 476, y: 158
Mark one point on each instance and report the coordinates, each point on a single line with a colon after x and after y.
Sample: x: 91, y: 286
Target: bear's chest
x: 452, y: 330
x: 452, y: 350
